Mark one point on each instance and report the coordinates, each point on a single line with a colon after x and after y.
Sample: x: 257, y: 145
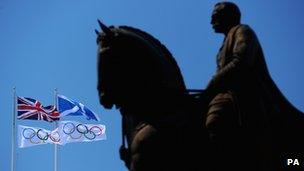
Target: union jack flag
x: 32, y: 109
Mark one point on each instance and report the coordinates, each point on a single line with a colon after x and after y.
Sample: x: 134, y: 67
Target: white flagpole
x: 56, y: 125
x: 13, y: 157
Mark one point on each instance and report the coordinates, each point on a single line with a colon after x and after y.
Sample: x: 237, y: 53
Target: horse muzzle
x: 105, y: 101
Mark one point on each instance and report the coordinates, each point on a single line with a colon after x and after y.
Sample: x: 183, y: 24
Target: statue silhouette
x: 241, y: 121
x: 251, y: 125
x: 162, y: 122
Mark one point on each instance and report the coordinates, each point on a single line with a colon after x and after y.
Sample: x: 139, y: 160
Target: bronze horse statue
x: 162, y: 121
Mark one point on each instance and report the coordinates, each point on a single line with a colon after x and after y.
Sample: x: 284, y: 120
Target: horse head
x: 138, y: 74
x: 133, y: 65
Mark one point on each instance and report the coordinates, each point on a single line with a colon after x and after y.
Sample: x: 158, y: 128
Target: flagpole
x: 56, y: 125
x: 13, y: 157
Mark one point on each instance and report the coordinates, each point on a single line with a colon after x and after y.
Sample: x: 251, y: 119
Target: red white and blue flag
x: 32, y: 109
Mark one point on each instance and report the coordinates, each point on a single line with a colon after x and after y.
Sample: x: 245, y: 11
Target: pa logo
x: 293, y: 162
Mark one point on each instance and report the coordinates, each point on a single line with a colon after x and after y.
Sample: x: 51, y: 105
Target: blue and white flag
x: 69, y: 107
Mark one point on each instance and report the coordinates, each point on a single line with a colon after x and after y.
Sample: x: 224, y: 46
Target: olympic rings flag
x: 67, y: 132
x: 72, y: 131
x: 30, y: 136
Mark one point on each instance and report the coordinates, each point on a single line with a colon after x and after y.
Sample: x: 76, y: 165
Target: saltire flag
x: 32, y: 136
x: 69, y: 107
x: 32, y: 109
x: 67, y: 132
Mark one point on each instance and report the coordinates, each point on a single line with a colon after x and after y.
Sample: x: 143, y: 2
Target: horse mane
x: 162, y: 47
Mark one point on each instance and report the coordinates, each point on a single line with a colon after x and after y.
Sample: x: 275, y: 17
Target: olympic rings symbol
x: 80, y: 130
x: 66, y: 132
x: 40, y: 136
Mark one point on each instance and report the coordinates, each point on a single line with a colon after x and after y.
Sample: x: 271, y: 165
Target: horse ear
x: 104, y: 28
x: 97, y: 32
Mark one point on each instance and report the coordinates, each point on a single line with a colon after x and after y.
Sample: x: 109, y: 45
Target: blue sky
x: 51, y: 44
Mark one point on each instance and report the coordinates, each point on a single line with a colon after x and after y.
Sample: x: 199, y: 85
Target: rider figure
x: 238, y: 93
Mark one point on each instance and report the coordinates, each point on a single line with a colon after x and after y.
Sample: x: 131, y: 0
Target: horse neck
x: 171, y: 74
